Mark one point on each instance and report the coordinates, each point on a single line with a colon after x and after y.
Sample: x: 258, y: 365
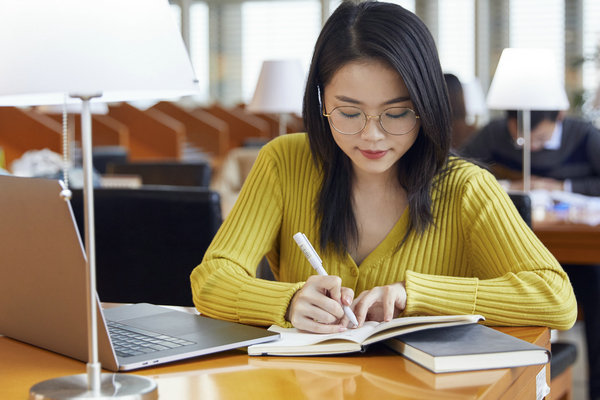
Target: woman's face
x: 373, y: 87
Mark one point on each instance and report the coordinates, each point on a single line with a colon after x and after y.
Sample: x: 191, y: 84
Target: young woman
x: 397, y: 222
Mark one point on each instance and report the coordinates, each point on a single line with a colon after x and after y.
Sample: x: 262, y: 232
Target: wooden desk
x: 570, y: 243
x: 377, y: 374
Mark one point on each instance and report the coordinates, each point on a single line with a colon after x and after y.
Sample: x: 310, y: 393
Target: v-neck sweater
x: 479, y: 256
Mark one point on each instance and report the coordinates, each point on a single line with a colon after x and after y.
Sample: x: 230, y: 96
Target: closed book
x: 293, y: 342
x: 467, y: 348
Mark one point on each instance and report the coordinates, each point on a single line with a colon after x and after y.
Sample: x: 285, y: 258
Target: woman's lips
x: 372, y: 154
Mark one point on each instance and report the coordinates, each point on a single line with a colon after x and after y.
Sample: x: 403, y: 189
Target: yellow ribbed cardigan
x: 478, y: 258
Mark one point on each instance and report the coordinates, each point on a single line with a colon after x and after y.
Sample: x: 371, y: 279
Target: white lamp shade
x: 123, y: 49
x: 280, y: 88
x: 527, y: 79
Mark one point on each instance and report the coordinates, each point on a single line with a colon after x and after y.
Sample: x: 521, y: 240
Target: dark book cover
x: 467, y: 347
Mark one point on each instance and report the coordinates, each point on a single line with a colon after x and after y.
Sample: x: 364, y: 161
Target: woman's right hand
x: 317, y: 307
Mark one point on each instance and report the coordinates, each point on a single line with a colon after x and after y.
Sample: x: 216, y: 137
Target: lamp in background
x: 279, y: 90
x: 88, y: 50
x: 526, y: 80
x: 474, y: 102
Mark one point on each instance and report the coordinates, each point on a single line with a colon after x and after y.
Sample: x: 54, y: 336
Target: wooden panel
x: 272, y: 120
x: 23, y: 130
x: 153, y: 135
x: 570, y: 243
x: 242, y: 125
x: 295, y: 124
x: 106, y: 131
x: 203, y: 129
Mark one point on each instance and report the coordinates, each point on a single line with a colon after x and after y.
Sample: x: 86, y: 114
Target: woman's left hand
x: 382, y: 303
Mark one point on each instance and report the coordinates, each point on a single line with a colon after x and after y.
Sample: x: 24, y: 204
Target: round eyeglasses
x: 349, y: 120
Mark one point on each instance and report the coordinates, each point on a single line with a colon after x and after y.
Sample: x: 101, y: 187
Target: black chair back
x: 522, y: 202
x: 148, y: 240
x: 177, y: 173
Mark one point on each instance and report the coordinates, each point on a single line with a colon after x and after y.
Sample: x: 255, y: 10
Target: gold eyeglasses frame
x: 367, y: 117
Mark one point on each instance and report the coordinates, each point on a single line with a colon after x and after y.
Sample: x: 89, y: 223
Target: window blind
x: 199, y: 47
x: 276, y: 30
x: 591, y: 46
x: 539, y: 24
x: 456, y: 38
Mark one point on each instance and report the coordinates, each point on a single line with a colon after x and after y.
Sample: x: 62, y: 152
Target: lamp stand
x: 283, y: 120
x: 524, y: 121
x: 94, y: 384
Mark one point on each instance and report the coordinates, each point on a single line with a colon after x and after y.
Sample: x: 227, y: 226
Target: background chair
x: 522, y: 202
x: 177, y: 173
x: 148, y: 240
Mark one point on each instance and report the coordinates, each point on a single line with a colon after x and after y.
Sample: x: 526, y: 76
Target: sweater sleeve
x: 224, y: 285
x: 516, y: 280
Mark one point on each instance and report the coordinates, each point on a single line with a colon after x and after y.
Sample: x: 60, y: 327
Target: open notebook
x: 294, y: 342
x: 43, y: 292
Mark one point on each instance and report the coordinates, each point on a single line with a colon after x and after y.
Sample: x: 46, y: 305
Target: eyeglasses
x: 349, y: 120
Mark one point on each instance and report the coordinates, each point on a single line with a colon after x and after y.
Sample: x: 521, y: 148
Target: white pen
x: 313, y: 258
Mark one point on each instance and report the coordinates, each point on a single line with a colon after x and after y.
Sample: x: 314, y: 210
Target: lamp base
x: 112, y: 386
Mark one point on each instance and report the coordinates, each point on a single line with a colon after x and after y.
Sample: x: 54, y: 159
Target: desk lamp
x: 526, y: 80
x: 84, y: 51
x: 279, y: 90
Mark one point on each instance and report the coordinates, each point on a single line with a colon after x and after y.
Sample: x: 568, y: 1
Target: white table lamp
x: 526, y: 80
x: 91, y: 50
x: 279, y: 90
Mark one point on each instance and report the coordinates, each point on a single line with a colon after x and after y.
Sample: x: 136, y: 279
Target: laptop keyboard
x: 129, y: 341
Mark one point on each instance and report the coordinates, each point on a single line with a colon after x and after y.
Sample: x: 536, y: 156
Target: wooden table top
x: 569, y: 242
x: 376, y: 374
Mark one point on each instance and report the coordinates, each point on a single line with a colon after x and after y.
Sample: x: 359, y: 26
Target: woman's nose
x: 373, y: 129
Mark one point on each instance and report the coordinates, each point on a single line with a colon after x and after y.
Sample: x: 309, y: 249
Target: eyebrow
x: 392, y: 101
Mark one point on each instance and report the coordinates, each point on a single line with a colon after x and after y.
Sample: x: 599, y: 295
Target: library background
x: 200, y: 149
x: 229, y: 39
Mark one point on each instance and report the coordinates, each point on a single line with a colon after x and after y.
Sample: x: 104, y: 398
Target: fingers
x: 362, y: 304
x: 401, y: 298
x: 314, y: 308
x: 389, y: 304
x: 347, y: 296
x: 394, y: 300
x: 324, y: 292
x: 382, y: 303
x: 310, y: 325
x: 332, y: 284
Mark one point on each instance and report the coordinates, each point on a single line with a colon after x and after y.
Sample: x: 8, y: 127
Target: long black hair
x: 388, y: 33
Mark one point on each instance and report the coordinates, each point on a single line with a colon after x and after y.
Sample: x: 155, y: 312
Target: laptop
x: 43, y: 292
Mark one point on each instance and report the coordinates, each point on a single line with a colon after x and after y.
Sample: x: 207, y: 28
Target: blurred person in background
x: 461, y: 130
x: 564, y: 152
x: 564, y: 156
